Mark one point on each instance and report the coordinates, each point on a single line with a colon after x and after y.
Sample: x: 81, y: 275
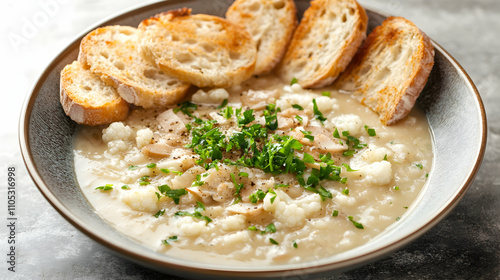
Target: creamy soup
x: 261, y: 173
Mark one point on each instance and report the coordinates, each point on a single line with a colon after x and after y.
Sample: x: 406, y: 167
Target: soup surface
x: 261, y: 173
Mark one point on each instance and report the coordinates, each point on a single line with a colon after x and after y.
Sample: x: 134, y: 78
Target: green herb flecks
x: 356, y: 224
x: 174, y: 194
x: 104, y: 188
x: 196, y: 214
x: 317, y: 113
x: 170, y: 239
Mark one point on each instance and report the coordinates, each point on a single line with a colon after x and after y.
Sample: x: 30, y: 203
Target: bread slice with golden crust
x: 204, y: 50
x: 86, y: 99
x: 112, y: 52
x: 270, y: 23
x: 324, y: 43
x: 390, y: 69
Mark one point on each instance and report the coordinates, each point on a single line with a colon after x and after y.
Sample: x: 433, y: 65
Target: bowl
x: 450, y: 101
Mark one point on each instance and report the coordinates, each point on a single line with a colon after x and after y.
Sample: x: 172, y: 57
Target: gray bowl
x: 450, y: 100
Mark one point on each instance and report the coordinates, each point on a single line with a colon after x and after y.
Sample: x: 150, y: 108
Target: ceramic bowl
x: 450, y: 100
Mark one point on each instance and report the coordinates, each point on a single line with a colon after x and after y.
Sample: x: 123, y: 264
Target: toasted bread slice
x: 324, y: 43
x: 86, y: 99
x: 204, y: 50
x: 112, y: 53
x: 270, y: 23
x: 390, y: 69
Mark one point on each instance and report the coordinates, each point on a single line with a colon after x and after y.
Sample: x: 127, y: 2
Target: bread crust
x: 393, y: 101
x: 204, y: 50
x: 309, y: 58
x: 77, y: 105
x: 159, y: 90
x: 271, y: 25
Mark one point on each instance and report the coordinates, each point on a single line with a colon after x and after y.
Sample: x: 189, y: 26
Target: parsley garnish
x: 198, y: 182
x: 356, y: 224
x: 144, y: 180
x: 317, y: 113
x: 224, y: 103
x: 370, y: 131
x: 294, y: 81
x: 273, y: 241
x: 348, y: 168
x: 196, y: 214
x: 326, y: 93
x: 170, y: 239
x: 299, y: 118
x: 419, y: 165
x: 335, y: 213
x: 238, y: 188
x: 257, y: 196
x: 187, y: 108
x: 298, y: 107
x: 126, y: 187
x: 151, y: 165
x: 294, y: 244
x: 133, y: 167
x: 269, y: 229
x: 227, y: 112
x: 106, y: 187
x: 174, y: 194
x: 159, y: 213
x: 307, y: 134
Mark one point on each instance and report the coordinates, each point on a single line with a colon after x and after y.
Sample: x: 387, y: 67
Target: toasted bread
x: 112, y: 53
x: 204, y: 50
x: 324, y: 43
x: 270, y: 23
x: 86, y: 99
x: 390, y: 69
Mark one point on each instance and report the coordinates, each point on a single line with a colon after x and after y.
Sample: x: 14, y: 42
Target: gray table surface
x: 465, y: 245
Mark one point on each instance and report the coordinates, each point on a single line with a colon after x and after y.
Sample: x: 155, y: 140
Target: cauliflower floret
x: 348, y: 122
x: 295, y: 88
x: 233, y: 222
x: 325, y: 104
x: 377, y: 173
x: 237, y: 238
x: 292, y: 212
x: 117, y: 131
x: 401, y: 153
x: 287, y: 100
x: 190, y: 227
x: 214, y: 96
x: 143, y: 137
x: 142, y: 199
x: 117, y: 147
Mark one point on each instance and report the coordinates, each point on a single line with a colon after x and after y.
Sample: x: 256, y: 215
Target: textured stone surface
x: 465, y: 245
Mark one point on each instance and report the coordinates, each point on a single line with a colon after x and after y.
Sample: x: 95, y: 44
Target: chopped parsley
x: 174, y: 194
x: 187, y: 108
x: 345, y: 191
x: 198, y: 182
x: 356, y: 224
x: 133, y: 167
x: 294, y: 244
x: 398, y: 218
x: 370, y: 131
x: 299, y: 118
x: 224, y: 103
x: 396, y: 188
x: 126, y: 187
x: 228, y: 112
x: 196, y: 214
x: 294, y: 81
x: 269, y: 229
x: 144, y: 180
x: 317, y: 113
x: 170, y: 239
x: 335, y: 213
x: 385, y: 157
x: 243, y: 174
x: 257, y: 196
x: 298, y: 107
x: 419, y: 165
x: 326, y: 93
x: 159, y: 213
x: 348, y: 168
x: 307, y: 134
x: 151, y: 165
x: 106, y: 187
x: 237, y: 188
x: 273, y: 241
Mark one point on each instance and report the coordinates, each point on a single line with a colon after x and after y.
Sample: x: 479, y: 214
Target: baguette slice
x: 324, y: 43
x: 86, y: 99
x: 390, y: 70
x: 112, y: 53
x: 270, y: 23
x: 204, y: 50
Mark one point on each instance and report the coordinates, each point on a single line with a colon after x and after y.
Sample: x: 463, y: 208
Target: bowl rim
x: 181, y: 265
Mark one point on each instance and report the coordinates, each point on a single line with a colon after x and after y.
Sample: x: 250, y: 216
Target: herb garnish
x: 224, y: 103
x: 370, y: 131
x: 170, y: 239
x: 159, y: 213
x: 196, y: 214
x: 106, y: 187
x: 356, y: 224
x: 317, y: 113
x: 298, y: 107
x: 174, y: 194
